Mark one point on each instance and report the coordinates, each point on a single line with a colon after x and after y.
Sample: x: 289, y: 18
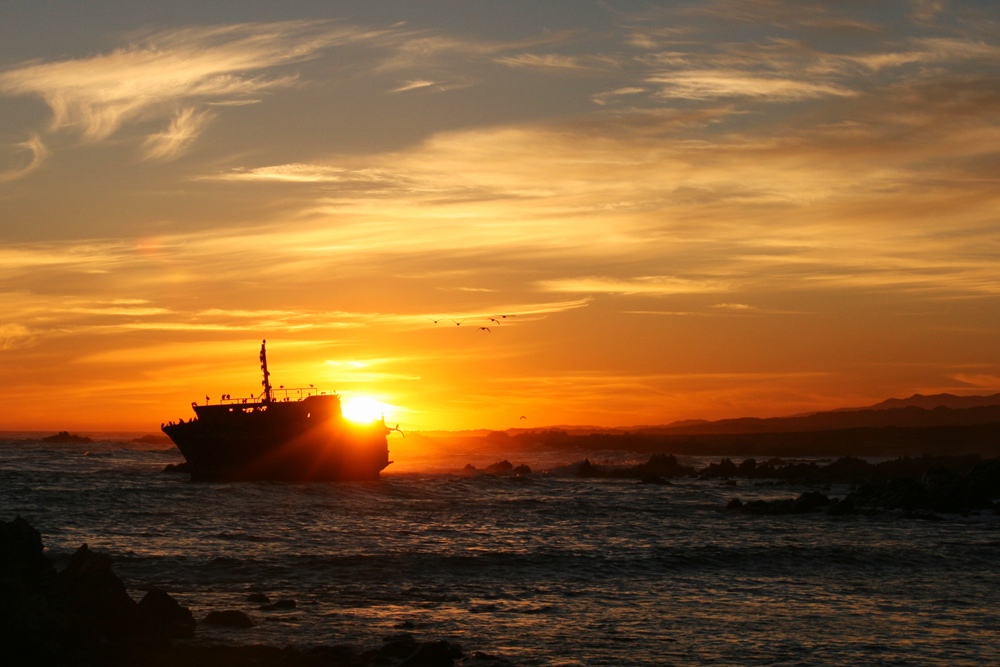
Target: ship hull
x: 252, y: 447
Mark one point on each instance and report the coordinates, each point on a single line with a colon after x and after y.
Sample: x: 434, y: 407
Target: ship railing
x: 281, y: 394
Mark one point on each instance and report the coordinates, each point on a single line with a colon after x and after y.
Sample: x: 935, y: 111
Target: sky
x: 604, y: 213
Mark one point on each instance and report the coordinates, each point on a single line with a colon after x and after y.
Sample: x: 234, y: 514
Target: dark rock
x: 724, y: 468
x: 230, y: 618
x: 521, y: 470
x: 88, y: 589
x: 63, y: 437
x: 500, y: 466
x: 984, y: 479
x: 405, y: 625
x: 664, y: 465
x: 729, y: 482
x: 432, y: 654
x: 26, y: 624
x: 734, y: 504
x: 809, y: 501
x: 280, y: 604
x: 906, y: 494
x: 589, y: 470
x: 842, y: 507
x: 747, y: 468
x: 179, y: 468
x: 399, y: 646
x: 337, y: 653
x: 22, y: 560
x: 159, y: 608
x: 259, y: 598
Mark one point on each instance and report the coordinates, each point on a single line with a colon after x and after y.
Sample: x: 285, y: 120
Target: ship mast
x: 263, y: 367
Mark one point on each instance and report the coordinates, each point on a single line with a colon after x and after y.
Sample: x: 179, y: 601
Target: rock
x: 724, y: 468
x: 405, y: 625
x: 280, y: 604
x: 906, y: 494
x: 399, y: 646
x: 159, y: 608
x: 336, y: 654
x: 729, y: 482
x: 734, y: 504
x: 88, y: 589
x: 589, y: 470
x: 521, y: 470
x: 22, y: 561
x: 433, y: 654
x: 179, y: 468
x: 842, y: 507
x: 984, y: 479
x: 747, y: 468
x: 63, y: 437
x: 500, y: 466
x: 259, y: 598
x: 809, y: 501
x: 25, y: 609
x: 230, y: 618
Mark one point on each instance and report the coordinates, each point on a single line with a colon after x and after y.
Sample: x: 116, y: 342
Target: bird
x: 506, y: 316
x: 458, y: 322
x: 523, y: 417
x: 493, y: 319
x: 434, y: 321
x: 486, y: 329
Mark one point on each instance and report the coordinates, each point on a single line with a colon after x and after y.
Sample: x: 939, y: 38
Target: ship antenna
x: 267, y: 376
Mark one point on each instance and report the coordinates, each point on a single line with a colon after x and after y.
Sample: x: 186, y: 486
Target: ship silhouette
x: 286, y: 434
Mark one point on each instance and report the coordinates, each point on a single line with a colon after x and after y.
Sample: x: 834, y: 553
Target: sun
x: 365, y: 409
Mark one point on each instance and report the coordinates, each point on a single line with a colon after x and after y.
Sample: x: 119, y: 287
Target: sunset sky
x: 686, y: 209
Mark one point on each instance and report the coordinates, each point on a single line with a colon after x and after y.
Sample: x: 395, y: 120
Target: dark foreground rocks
x: 84, y: 617
x: 939, y: 491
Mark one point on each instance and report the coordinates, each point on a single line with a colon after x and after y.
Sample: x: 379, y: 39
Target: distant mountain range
x: 931, y: 402
x: 915, y: 411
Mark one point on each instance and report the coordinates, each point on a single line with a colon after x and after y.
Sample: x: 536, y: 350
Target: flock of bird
x: 458, y: 323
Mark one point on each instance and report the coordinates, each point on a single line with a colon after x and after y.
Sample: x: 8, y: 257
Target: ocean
x: 543, y: 569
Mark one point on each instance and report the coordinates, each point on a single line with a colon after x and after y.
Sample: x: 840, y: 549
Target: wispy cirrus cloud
x: 38, y: 152
x: 169, y: 72
x: 711, y: 84
x: 649, y: 285
x: 184, y: 128
x: 543, y: 61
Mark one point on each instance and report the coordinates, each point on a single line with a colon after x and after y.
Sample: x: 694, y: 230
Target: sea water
x: 539, y: 569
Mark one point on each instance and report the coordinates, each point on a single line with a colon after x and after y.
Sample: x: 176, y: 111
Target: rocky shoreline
x: 922, y: 486
x: 83, y: 616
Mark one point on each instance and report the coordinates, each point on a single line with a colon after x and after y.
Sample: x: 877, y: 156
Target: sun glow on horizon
x: 364, y: 409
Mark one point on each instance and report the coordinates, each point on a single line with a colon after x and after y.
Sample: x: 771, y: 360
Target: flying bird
x: 486, y: 329
x: 523, y: 417
x: 493, y: 319
x: 458, y: 322
x: 435, y: 321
